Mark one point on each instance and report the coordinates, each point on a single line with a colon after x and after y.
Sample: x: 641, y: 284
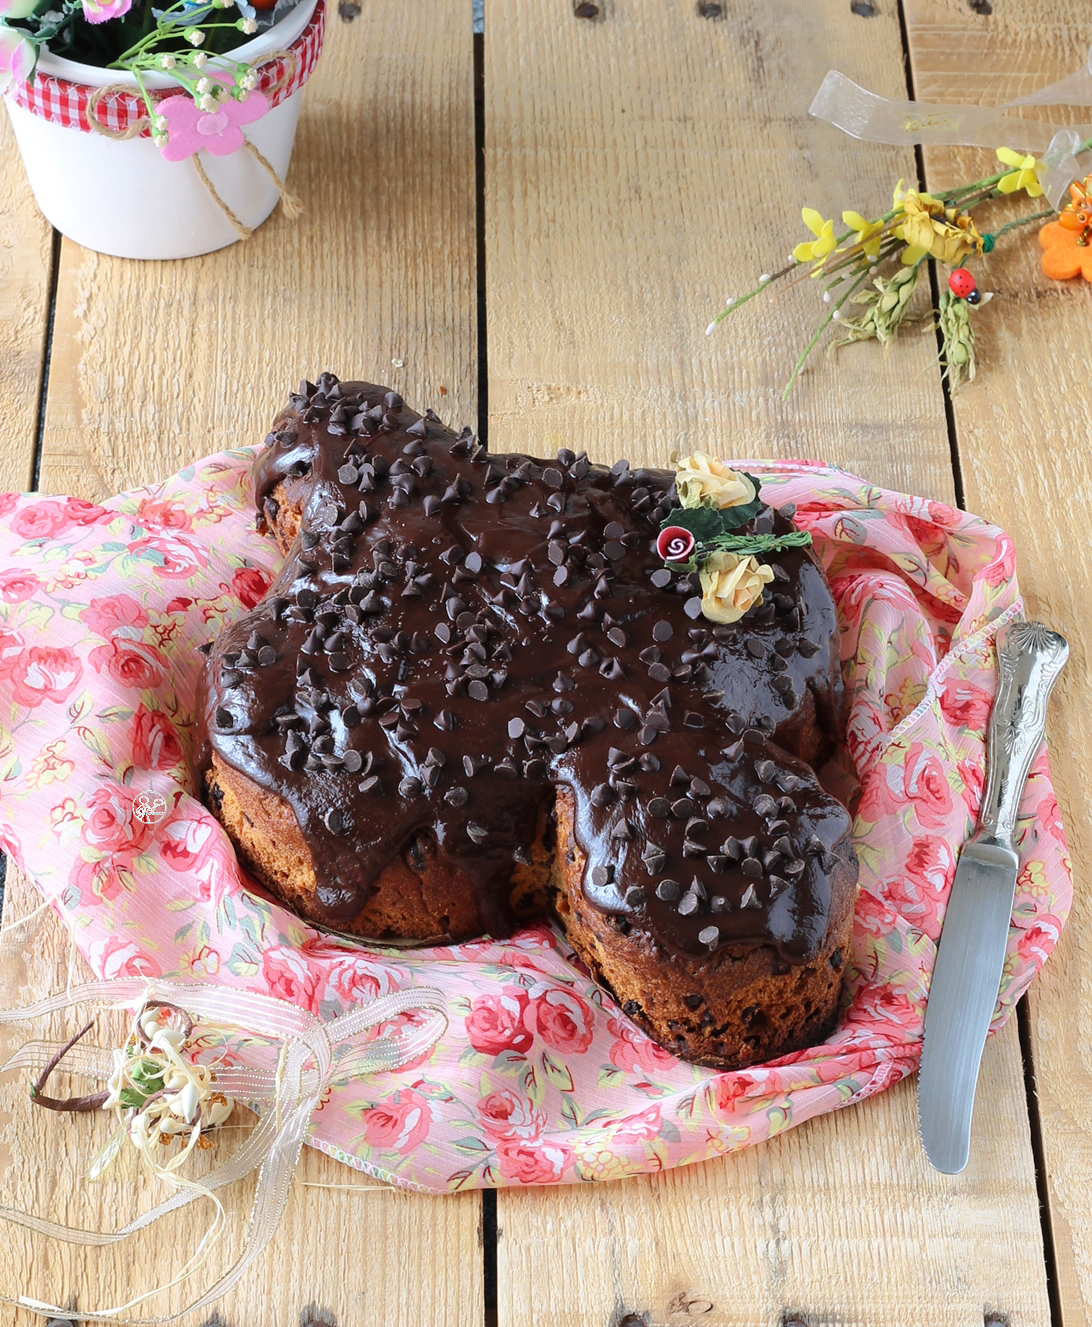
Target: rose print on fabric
x: 540, y: 1078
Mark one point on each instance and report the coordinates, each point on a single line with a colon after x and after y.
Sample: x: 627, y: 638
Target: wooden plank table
x: 530, y: 231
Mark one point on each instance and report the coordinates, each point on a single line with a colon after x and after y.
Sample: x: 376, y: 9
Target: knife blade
x: 967, y: 974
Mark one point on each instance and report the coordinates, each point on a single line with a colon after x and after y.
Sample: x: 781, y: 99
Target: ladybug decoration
x: 962, y: 285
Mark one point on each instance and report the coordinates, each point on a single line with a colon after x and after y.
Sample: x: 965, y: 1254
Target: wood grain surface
x: 26, y: 244
x: 1023, y: 431
x: 639, y: 168
x: 155, y: 364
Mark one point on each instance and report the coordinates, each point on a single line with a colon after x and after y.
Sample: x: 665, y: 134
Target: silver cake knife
x: 967, y: 975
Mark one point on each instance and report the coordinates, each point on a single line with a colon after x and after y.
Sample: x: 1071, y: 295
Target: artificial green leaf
x: 704, y: 523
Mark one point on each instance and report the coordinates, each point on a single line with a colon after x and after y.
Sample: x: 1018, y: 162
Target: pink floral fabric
x: 540, y: 1079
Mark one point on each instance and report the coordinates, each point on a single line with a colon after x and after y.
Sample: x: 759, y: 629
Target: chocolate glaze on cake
x: 453, y: 634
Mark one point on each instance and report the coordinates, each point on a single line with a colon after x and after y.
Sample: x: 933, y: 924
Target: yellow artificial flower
x: 824, y: 242
x: 1025, y: 174
x: 869, y: 233
x: 731, y: 584
x: 946, y: 234
x: 703, y: 481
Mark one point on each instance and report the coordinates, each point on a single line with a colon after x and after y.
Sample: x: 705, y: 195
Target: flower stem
x: 1024, y: 221
x: 821, y: 329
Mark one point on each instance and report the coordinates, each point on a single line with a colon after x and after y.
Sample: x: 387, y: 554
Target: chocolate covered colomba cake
x: 476, y: 694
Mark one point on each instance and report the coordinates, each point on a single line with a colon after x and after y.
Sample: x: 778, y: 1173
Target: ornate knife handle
x: 1030, y: 657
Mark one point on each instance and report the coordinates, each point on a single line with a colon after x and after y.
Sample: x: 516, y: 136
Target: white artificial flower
x: 218, y: 1111
x: 195, y: 37
x: 200, y: 60
x: 172, y: 1037
x: 204, y: 85
x: 248, y: 25
x: 208, y: 102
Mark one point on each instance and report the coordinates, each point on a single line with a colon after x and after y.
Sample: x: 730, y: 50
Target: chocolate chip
x: 755, y: 647
x: 622, y: 830
x: 371, y: 784
x: 766, y: 770
x: 692, y: 607
x: 352, y: 760
x: 682, y: 808
x: 668, y: 890
x: 617, y: 637
x: 764, y: 806
x: 457, y: 797
x: 635, y: 896
x: 224, y: 718
x: 689, y: 904
x: 516, y: 728
x: 478, y: 691
x: 751, y: 866
x: 602, y: 875
x: 710, y: 935
x: 692, y: 719
x: 808, y: 648
x: 625, y: 719
x: 410, y: 787
x: 552, y: 478
x: 750, y: 898
x: 334, y: 820
x: 661, y: 579
x: 659, y: 808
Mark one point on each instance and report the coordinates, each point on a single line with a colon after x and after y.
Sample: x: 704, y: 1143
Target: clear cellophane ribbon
x: 875, y: 119
x: 300, y: 1058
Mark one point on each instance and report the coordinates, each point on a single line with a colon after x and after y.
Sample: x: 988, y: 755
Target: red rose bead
x: 675, y: 544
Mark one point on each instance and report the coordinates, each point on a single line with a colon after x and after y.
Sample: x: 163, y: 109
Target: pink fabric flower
x: 562, y: 1019
x: 190, y: 129
x: 495, y: 1023
x: 111, y: 613
x: 289, y: 976
x: 249, y: 585
x: 505, y: 1114
x: 42, y: 674
x: 95, y: 11
x: 537, y: 1162
x: 154, y: 740
x: 633, y: 1050
x: 41, y: 520
x: 399, y: 1123
x: 131, y: 663
x: 16, y: 585
x: 16, y: 58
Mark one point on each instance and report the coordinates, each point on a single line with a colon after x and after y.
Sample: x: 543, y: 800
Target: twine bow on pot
x: 190, y: 130
x: 305, y: 1057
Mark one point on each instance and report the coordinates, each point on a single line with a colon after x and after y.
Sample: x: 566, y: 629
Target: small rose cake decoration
x: 706, y: 536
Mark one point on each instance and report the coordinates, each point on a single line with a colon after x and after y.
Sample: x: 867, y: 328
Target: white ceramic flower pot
x: 122, y: 197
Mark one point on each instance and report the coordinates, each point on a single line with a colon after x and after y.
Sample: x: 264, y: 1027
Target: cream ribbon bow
x: 312, y: 1054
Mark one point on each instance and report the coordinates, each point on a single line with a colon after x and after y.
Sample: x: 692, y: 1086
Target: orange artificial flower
x: 1063, y: 257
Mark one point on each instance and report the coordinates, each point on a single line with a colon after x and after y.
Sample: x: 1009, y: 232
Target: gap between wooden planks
x: 157, y: 364
x: 26, y: 245
x: 1023, y: 430
x: 640, y: 168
